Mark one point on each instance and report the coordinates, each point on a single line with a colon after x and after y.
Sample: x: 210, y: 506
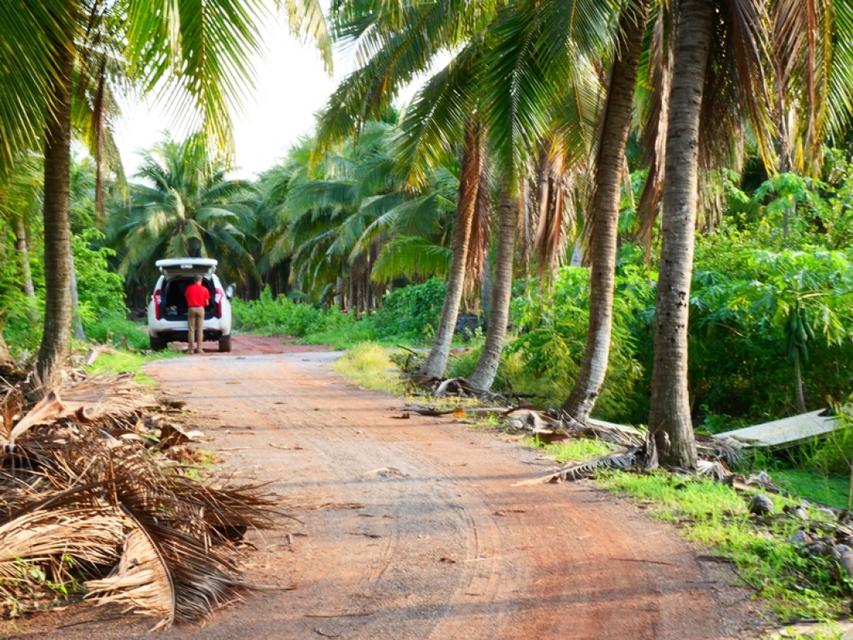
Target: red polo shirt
x: 197, y: 295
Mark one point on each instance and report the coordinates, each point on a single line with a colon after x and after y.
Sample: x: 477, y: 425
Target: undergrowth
x: 369, y: 365
x: 573, y: 450
x: 114, y: 362
x: 796, y: 585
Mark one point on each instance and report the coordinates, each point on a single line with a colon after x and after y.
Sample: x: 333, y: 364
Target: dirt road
x: 413, y: 529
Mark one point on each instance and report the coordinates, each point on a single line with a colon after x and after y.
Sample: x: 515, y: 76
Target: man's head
x: 197, y: 279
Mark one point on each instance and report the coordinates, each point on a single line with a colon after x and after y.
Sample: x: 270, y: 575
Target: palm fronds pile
x: 92, y: 506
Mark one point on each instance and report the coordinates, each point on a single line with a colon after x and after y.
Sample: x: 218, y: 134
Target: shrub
x: 370, y: 366
x: 412, y: 311
x: 546, y: 356
x: 119, y: 331
x: 278, y: 315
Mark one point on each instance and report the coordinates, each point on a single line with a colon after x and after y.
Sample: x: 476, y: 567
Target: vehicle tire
x: 225, y: 344
x: 157, y: 344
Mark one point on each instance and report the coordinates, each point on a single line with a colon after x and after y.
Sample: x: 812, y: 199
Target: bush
x: 278, y: 315
x: 411, y: 312
x: 370, y: 366
x: 546, y: 356
x: 741, y: 347
x: 119, y: 331
x: 100, y: 290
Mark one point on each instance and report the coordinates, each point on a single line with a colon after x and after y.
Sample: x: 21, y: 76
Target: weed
x: 369, y: 365
x: 828, y: 490
x: 574, y: 450
x: 797, y: 586
x: 114, y: 362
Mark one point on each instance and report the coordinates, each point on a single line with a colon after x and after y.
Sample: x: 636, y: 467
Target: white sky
x: 290, y: 86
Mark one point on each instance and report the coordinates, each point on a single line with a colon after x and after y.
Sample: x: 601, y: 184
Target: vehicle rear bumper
x: 178, y: 331
x: 178, y: 335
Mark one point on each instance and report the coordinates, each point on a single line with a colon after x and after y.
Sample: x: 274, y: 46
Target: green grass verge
x: 113, y: 362
x: 716, y: 516
x: 574, y: 450
x: 828, y: 490
x: 369, y: 365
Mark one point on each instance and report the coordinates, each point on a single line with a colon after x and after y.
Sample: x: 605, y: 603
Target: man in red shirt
x: 197, y: 297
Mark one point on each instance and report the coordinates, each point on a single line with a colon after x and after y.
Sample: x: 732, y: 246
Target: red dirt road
x: 413, y: 529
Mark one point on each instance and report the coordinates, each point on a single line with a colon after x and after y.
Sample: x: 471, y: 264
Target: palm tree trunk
x: 57, y: 233
x: 469, y: 181
x: 487, y: 365
x: 100, y: 130
x: 605, y: 216
x: 670, y: 403
x: 23, y: 247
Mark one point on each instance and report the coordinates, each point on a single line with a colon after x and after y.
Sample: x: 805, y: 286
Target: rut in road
x: 413, y: 529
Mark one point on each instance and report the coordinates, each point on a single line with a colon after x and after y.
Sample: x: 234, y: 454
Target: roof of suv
x: 187, y: 264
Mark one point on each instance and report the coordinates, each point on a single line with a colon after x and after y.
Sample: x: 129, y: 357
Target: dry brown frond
x: 89, y: 501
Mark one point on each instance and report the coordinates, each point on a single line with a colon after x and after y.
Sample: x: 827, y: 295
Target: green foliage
x: 552, y: 335
x: 754, y: 312
x: 789, y: 210
x: 572, y: 450
x: 118, y: 331
x: 797, y: 584
x: 100, y: 290
x: 369, y: 365
x: 279, y: 315
x: 411, y: 312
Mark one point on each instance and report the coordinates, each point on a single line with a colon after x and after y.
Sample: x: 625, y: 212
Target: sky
x: 290, y: 87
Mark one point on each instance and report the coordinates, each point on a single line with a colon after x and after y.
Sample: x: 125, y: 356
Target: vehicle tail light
x: 218, y: 298
x: 157, y: 298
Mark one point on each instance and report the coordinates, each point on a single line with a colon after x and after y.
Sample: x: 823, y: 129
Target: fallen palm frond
x: 641, y: 457
x: 458, y: 387
x: 92, y: 505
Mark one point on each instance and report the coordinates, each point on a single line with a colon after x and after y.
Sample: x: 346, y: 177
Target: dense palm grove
x: 647, y: 206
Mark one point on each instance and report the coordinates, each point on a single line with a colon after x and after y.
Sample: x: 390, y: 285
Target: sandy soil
x: 413, y: 528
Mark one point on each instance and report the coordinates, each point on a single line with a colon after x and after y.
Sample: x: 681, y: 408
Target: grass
x: 714, y: 515
x: 114, y: 361
x: 574, y: 450
x: 370, y: 366
x: 828, y: 490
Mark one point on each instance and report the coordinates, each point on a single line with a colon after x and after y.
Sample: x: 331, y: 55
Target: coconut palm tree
x: 185, y: 207
x: 195, y: 55
x: 609, y: 168
x: 721, y: 53
x: 495, y: 103
x: 350, y: 219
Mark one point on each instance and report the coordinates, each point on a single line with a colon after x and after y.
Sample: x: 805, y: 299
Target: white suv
x: 167, y: 311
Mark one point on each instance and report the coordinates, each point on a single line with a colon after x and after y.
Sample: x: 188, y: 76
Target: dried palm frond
x: 641, y: 458
x: 140, y: 580
x: 85, y: 499
x: 37, y: 549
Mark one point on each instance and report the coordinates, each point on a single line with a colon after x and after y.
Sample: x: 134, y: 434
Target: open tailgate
x: 172, y: 267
